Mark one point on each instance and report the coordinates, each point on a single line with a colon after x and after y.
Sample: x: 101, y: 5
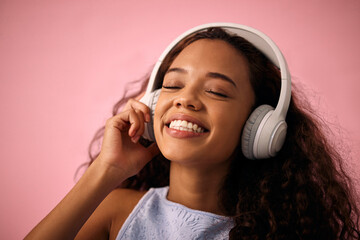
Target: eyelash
x: 209, y: 91
x: 171, y: 87
x: 217, y: 93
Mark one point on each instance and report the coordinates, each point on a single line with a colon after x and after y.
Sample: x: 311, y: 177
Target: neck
x: 197, y: 187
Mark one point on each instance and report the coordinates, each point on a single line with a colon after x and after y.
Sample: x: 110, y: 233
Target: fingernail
x: 147, y: 117
x: 135, y: 139
x: 131, y: 132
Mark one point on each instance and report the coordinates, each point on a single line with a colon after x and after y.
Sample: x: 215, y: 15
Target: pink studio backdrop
x: 63, y: 64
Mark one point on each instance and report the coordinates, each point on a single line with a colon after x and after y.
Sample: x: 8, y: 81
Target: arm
x: 71, y: 213
x: 120, y: 157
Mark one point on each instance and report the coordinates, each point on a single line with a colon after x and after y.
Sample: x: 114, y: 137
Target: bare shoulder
x: 120, y: 203
x: 125, y: 199
x: 111, y: 214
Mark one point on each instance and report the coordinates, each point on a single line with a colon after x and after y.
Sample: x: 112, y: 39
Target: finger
x: 135, y: 122
x: 138, y: 97
x: 132, y: 120
x: 119, y: 121
x: 137, y: 105
x: 141, y: 129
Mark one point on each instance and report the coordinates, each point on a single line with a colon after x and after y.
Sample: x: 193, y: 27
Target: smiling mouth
x: 187, y: 126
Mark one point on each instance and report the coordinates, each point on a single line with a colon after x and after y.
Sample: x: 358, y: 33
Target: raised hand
x: 121, y: 156
x: 120, y: 147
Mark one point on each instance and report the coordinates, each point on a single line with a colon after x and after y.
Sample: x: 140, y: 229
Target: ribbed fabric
x: 155, y: 217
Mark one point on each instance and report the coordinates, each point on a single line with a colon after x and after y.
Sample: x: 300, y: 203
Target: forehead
x: 213, y: 56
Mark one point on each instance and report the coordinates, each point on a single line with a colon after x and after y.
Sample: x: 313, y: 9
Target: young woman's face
x: 204, y: 103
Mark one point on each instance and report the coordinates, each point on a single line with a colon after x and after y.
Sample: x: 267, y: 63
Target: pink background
x: 63, y: 64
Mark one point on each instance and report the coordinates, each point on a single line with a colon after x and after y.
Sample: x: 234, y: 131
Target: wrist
x: 106, y: 174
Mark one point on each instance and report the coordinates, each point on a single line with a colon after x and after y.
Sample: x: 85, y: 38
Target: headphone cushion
x: 150, y: 100
x: 250, y: 129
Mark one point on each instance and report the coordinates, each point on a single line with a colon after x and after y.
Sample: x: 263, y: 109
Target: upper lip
x: 181, y: 116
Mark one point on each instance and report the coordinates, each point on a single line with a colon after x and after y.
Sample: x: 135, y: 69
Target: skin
x: 95, y: 209
x: 192, y: 86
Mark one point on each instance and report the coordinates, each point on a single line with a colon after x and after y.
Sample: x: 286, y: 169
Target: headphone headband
x: 265, y: 130
x: 260, y: 40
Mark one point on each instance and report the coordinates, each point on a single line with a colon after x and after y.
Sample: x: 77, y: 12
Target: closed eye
x: 217, y: 93
x: 171, y: 87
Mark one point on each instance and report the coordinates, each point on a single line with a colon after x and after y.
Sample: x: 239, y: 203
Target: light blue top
x: 155, y: 217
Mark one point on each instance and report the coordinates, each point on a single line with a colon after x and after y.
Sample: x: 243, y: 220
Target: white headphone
x: 265, y: 130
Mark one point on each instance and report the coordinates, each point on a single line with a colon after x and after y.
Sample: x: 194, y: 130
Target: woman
x: 213, y: 80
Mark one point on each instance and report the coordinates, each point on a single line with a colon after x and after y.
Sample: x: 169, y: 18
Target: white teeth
x: 183, y: 125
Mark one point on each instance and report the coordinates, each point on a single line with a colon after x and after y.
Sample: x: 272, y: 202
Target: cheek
x: 231, y: 126
x: 232, y: 119
x: 156, y: 123
x: 159, y: 111
x: 231, y: 135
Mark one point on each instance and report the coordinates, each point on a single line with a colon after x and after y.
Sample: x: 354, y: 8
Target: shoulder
x: 111, y: 214
x: 119, y: 204
x: 124, y: 198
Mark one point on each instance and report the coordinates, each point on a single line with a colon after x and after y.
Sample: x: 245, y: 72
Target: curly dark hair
x: 302, y: 193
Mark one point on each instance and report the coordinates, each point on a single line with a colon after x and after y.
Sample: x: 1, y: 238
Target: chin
x: 176, y: 154
x: 182, y: 156
x: 196, y: 158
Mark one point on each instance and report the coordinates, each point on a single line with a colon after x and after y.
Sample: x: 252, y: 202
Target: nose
x: 188, y: 99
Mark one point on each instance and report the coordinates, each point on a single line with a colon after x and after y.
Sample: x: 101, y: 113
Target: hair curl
x: 302, y: 193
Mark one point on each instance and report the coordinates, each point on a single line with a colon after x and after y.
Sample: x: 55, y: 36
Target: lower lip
x: 182, y: 134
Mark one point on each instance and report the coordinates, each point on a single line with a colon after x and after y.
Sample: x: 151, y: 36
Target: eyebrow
x: 221, y: 76
x: 210, y: 74
x: 178, y: 70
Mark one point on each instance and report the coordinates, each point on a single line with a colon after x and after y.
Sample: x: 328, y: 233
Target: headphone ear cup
x: 150, y: 100
x: 250, y: 129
